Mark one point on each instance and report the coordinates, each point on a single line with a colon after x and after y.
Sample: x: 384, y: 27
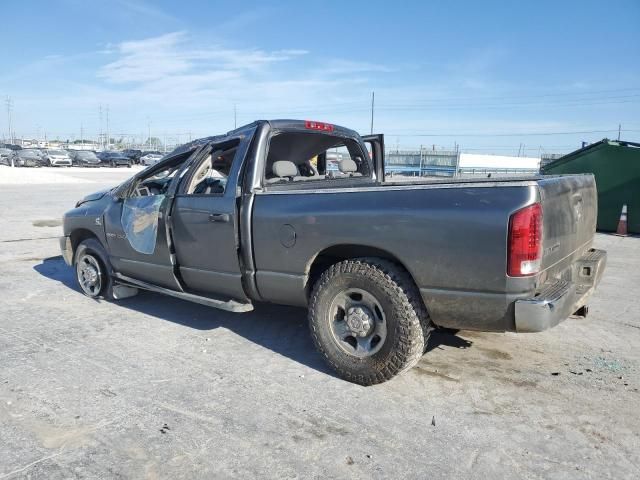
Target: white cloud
x: 173, y: 54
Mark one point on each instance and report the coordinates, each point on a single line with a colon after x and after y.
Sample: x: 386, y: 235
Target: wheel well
x: 80, y: 235
x: 338, y: 253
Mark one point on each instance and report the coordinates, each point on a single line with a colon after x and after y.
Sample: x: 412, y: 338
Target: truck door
x: 204, y: 222
x: 375, y: 146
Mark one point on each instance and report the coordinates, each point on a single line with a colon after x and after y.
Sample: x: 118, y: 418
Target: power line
x: 511, y: 97
x: 513, y: 134
x: 571, y: 103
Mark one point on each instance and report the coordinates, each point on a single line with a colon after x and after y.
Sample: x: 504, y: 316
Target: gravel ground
x: 154, y: 387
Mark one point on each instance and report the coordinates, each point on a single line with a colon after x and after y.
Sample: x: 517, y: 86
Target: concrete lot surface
x: 154, y: 387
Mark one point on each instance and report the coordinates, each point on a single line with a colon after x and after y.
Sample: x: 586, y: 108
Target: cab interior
x: 307, y: 156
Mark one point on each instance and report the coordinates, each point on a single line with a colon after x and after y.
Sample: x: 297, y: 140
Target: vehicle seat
x: 349, y: 167
x: 283, y: 170
x: 210, y: 185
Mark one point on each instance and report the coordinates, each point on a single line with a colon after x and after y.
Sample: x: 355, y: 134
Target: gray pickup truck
x: 299, y: 213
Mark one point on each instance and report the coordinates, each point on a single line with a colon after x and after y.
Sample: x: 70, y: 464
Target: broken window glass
x: 140, y: 222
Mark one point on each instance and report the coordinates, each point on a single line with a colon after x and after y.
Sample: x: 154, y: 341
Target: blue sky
x: 488, y: 76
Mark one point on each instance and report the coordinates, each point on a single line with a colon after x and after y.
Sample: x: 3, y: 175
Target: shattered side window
x: 140, y: 222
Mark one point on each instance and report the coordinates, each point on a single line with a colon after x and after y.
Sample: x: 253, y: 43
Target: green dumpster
x: 616, y: 167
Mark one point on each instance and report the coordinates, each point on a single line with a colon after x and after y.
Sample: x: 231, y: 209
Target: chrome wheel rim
x: 89, y: 275
x: 358, y: 323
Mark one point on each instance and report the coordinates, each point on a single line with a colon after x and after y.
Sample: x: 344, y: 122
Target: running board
x: 228, y: 305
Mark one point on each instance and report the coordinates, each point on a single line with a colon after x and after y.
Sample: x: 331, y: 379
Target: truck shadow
x: 446, y: 337
x: 279, y: 328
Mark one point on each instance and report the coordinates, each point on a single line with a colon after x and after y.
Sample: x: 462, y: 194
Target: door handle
x: 219, y: 217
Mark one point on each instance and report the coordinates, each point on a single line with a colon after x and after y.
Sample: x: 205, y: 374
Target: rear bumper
x: 66, y: 249
x: 559, y: 299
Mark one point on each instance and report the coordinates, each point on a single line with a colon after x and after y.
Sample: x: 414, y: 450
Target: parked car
x: 133, y: 154
x: 5, y: 156
x: 11, y: 146
x: 86, y: 158
x: 114, y: 159
x: 57, y: 158
x: 27, y: 157
x: 256, y: 216
x: 151, y: 158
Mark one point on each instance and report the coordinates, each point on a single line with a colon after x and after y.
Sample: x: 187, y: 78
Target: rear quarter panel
x: 451, y: 239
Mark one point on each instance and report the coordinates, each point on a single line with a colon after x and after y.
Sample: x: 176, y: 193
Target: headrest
x: 348, y: 166
x: 284, y: 168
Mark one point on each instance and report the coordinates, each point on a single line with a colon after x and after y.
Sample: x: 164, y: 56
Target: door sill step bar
x: 228, y: 305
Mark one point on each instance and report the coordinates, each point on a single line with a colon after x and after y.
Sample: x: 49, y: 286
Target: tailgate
x: 570, y: 210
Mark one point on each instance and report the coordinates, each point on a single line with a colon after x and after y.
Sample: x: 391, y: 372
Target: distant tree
x: 154, y: 143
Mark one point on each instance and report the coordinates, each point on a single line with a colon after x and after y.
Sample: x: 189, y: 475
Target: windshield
x: 86, y: 155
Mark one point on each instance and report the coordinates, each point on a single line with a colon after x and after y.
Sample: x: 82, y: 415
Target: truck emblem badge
x: 98, y: 221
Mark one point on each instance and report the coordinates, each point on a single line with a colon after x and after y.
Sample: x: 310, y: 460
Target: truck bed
x: 451, y: 236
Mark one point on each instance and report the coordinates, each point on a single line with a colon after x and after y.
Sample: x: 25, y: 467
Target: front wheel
x: 91, y: 269
x: 366, y: 319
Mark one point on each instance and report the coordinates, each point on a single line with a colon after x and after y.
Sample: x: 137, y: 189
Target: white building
x: 471, y: 164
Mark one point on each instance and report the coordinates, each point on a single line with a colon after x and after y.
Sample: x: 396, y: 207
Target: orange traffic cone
x: 622, y: 224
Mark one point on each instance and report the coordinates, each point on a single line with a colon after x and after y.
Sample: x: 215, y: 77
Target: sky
x: 495, y: 77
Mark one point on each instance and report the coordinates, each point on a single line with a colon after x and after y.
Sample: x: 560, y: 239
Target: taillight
x: 525, y: 241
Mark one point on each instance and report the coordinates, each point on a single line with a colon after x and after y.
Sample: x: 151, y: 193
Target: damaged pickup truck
x: 299, y: 213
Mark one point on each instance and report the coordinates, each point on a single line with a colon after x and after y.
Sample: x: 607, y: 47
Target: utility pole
x: 619, y: 128
x: 235, y: 117
x: 100, y: 136
x: 420, y: 160
x: 149, y: 132
x: 373, y: 102
x: 9, y: 103
x: 108, y: 133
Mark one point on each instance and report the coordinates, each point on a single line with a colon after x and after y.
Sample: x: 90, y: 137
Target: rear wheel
x: 91, y: 269
x: 366, y: 319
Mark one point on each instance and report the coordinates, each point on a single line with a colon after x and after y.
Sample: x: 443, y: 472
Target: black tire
x: 402, y: 313
x: 113, y: 165
x: 91, y: 254
x: 129, y: 165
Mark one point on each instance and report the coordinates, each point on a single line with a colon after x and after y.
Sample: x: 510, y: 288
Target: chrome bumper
x: 66, y: 249
x: 558, y: 300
